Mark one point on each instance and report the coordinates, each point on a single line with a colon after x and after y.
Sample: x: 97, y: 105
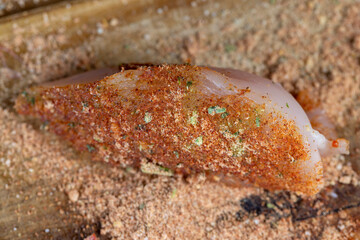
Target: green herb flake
x: 141, y: 206
x: 230, y: 48
x: 287, y: 105
x: 194, y: 118
x: 220, y: 110
x: 176, y: 154
x: 211, y: 110
x: 32, y: 101
x: 140, y: 127
x: 129, y: 169
x: 216, y: 109
x: 199, y: 141
x: 165, y: 169
x: 188, y: 147
x: 147, y: 117
x: 90, y: 148
x: 224, y: 115
x: 71, y: 124
x: 270, y: 205
x: 179, y: 79
x: 257, y: 121
x: 173, y: 193
x: 85, y: 107
x: 189, y: 84
x: 237, y: 149
x: 135, y: 111
x: 152, y: 168
x: 97, y: 138
x: 44, y: 125
x: 29, y: 99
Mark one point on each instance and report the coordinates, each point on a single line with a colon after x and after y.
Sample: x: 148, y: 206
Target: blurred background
x: 311, y: 46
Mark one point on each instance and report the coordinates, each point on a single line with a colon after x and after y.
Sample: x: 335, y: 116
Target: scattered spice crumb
x: 73, y: 195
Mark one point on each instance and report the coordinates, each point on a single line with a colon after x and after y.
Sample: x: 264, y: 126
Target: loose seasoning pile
x: 167, y: 120
x: 307, y: 45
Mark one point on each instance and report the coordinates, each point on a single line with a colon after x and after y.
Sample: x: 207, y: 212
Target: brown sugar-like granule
x: 306, y: 45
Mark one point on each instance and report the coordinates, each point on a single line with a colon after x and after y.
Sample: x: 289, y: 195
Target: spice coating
x: 161, y: 114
